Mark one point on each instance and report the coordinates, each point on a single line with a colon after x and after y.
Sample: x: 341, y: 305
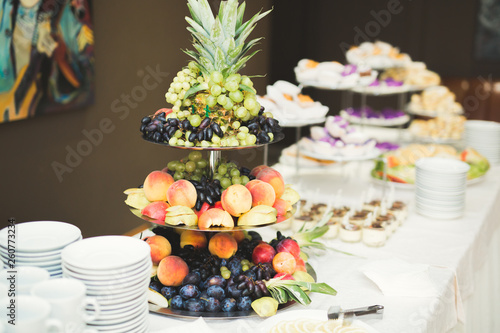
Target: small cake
x: 400, y: 210
x: 348, y: 232
x: 370, y: 206
x: 333, y: 229
x: 374, y: 234
x: 359, y: 217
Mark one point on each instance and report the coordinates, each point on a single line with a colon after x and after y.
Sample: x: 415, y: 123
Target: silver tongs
x: 347, y: 316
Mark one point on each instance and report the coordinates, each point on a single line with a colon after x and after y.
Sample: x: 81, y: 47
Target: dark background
x: 130, y: 37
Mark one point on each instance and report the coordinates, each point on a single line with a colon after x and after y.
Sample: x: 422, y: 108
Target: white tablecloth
x: 463, y: 254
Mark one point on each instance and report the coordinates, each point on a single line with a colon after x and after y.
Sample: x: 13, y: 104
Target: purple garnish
x: 349, y: 70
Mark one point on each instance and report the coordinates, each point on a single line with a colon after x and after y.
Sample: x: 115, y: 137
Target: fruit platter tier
x: 401, y: 162
x: 227, y: 274
x: 186, y: 194
x: 222, y: 315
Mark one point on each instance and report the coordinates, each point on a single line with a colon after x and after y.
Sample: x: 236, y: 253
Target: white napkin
x: 198, y: 326
x: 396, y: 277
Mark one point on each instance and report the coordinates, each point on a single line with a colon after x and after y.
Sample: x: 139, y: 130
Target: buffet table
x: 463, y: 258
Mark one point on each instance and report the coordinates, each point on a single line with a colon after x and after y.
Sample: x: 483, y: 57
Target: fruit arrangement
x: 212, y: 104
x: 184, y: 194
x: 228, y: 272
x: 401, y: 162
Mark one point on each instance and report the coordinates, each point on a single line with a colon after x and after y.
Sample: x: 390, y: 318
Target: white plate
x: 293, y: 315
x: 300, y: 122
x: 125, y: 326
x: 338, y: 158
x: 106, y: 252
x: 31, y: 258
x: 442, y: 165
x: 42, y: 236
x: 107, y: 280
x: 482, y: 126
x: 107, y: 275
x: 119, y: 288
x: 117, y: 308
x: 439, y: 215
x: 381, y: 90
x: 120, y: 294
x: 33, y: 263
x: 119, y: 317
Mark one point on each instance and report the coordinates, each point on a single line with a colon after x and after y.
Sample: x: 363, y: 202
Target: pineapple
x: 211, y: 87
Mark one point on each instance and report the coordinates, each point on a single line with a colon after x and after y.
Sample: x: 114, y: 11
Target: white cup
x: 22, y: 278
x: 30, y: 314
x: 68, y: 301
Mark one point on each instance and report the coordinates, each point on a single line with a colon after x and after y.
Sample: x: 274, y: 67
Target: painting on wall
x: 487, y: 40
x: 46, y: 57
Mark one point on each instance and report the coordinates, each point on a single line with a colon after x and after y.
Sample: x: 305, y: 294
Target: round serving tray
x: 219, y: 315
x: 278, y: 137
x: 156, y: 223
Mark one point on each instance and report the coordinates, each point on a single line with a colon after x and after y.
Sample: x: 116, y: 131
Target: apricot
x: 172, y: 270
x: 282, y: 206
x: 236, y: 200
x: 273, y: 177
x: 156, y: 185
x: 156, y: 210
x: 215, y: 217
x: 182, y: 193
x: 194, y: 238
x: 284, y: 262
x: 262, y: 193
x: 223, y: 245
x: 160, y: 248
x: 257, y: 169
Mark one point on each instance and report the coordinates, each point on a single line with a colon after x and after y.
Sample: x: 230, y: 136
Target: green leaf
x: 203, y: 13
x: 241, y: 12
x: 198, y: 28
x: 228, y: 17
x: 217, y: 34
x: 247, y: 88
x: 241, y: 38
x: 251, y: 22
x: 241, y: 63
x: 297, y: 294
x: 234, y: 54
x: 322, y: 288
x: 195, y: 89
x: 220, y: 59
x: 203, y: 52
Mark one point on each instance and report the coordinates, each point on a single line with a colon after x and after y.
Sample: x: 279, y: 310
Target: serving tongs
x: 347, y: 316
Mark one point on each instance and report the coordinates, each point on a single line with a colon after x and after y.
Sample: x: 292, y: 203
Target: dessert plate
x: 339, y: 158
x: 106, y: 253
x: 42, y: 236
x: 96, y: 275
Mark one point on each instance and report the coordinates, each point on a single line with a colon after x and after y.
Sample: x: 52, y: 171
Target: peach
x: 239, y: 236
x: 274, y: 178
x: 182, y: 193
x: 262, y: 193
x: 282, y: 206
x: 236, y: 200
x: 160, y: 248
x: 215, y: 217
x: 257, y: 169
x: 156, y: 210
x: 223, y: 245
x: 194, y: 238
x: 284, y: 262
x: 156, y: 185
x: 172, y: 270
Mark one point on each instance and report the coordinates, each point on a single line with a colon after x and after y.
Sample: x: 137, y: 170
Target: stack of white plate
x: 116, y: 271
x: 440, y: 186
x: 484, y: 136
x: 37, y: 244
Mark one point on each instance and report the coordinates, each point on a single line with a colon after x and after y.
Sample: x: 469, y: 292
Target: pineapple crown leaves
x: 220, y: 41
